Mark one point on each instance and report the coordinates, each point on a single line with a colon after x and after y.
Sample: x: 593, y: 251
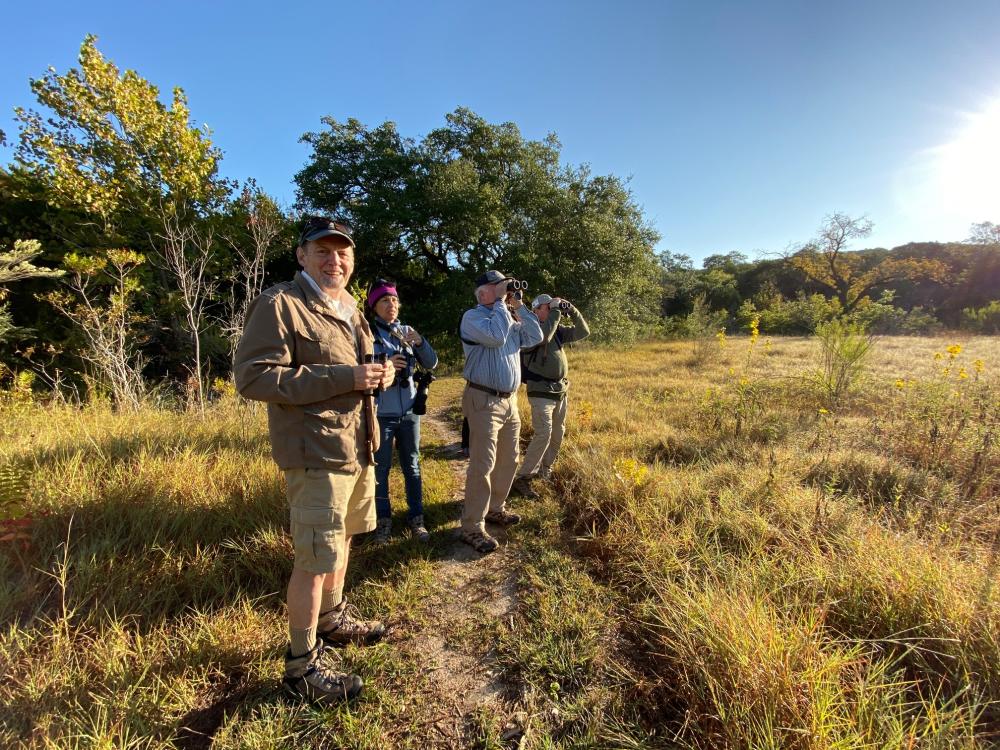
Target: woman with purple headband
x: 405, y: 348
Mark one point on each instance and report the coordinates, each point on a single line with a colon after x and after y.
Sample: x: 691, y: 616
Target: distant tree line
x: 127, y: 260
x: 917, y: 288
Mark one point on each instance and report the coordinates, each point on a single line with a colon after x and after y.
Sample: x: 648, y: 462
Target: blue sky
x: 740, y: 124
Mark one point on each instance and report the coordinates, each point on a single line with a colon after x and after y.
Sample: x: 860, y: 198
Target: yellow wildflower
x: 978, y: 364
x: 962, y: 374
x: 900, y: 383
x: 630, y: 471
x: 955, y: 349
x: 823, y: 411
x: 937, y: 355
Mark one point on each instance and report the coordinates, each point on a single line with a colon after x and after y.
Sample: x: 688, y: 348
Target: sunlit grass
x: 725, y: 559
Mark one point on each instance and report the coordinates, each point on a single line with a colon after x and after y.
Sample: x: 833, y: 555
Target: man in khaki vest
x: 306, y: 351
x: 544, y: 370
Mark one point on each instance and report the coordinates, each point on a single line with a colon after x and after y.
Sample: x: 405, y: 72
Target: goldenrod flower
x: 955, y: 349
x: 978, y: 364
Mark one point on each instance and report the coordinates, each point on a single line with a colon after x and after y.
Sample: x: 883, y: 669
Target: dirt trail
x: 471, y: 589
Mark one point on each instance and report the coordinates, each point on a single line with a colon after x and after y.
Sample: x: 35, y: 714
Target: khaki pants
x: 327, y: 508
x: 548, y: 419
x: 494, y: 428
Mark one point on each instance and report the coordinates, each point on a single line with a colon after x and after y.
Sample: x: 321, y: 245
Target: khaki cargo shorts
x: 326, y: 508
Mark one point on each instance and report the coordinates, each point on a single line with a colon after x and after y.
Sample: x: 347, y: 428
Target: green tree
x: 16, y: 265
x: 110, y: 148
x: 132, y: 172
x: 473, y: 195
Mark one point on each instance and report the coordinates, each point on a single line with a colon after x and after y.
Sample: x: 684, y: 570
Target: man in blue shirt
x: 493, y: 335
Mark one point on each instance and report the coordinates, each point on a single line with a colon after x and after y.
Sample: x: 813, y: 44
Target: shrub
x: 983, y: 319
x: 702, y: 325
x: 844, y: 349
x: 798, y: 316
x: 882, y: 316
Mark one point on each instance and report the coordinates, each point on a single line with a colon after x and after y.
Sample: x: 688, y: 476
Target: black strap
x: 493, y: 391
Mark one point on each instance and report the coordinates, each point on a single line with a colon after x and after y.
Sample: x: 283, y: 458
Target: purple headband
x: 378, y: 292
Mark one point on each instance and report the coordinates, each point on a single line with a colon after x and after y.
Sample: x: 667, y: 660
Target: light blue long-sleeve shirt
x: 494, y: 360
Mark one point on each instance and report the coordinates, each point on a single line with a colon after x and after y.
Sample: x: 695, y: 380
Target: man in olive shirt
x: 544, y: 373
x: 303, y: 351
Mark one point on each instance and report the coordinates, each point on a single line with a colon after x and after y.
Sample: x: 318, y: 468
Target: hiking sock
x: 333, y: 597
x: 303, y: 641
x: 330, y: 599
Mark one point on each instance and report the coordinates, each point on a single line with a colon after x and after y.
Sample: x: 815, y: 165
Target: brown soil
x: 472, y: 588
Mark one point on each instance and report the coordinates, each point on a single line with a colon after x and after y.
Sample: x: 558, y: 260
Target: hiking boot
x: 503, y: 518
x: 342, y: 625
x: 522, y: 487
x: 383, y: 531
x: 417, y: 528
x: 480, y: 541
x: 306, y: 678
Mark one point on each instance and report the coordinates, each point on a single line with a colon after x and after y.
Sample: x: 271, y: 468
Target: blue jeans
x: 406, y: 432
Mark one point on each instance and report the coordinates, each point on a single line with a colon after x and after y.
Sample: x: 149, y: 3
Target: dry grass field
x: 731, y: 554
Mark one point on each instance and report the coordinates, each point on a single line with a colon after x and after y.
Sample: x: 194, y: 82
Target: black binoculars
x: 423, y: 380
x: 517, y: 287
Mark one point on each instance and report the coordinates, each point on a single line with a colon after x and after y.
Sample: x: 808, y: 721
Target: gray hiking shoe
x: 417, y: 528
x: 383, y: 531
x: 342, y: 625
x: 307, y: 678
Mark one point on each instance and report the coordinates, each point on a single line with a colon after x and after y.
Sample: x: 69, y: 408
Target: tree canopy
x: 473, y: 195
x: 111, y: 149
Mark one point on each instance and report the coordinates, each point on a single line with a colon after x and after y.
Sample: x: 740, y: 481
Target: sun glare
x: 955, y: 184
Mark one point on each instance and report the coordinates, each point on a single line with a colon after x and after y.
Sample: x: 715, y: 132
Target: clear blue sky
x: 740, y: 124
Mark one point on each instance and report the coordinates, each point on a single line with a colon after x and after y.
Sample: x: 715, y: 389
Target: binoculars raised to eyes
x: 516, y: 287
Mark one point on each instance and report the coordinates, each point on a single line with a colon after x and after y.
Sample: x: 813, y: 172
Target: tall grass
x: 802, y: 580
x: 721, y: 561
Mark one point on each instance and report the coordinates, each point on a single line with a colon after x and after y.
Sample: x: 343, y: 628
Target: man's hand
x: 388, y: 375
x: 515, y: 302
x: 367, y: 377
x: 556, y: 301
x: 412, y: 338
x: 398, y: 361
